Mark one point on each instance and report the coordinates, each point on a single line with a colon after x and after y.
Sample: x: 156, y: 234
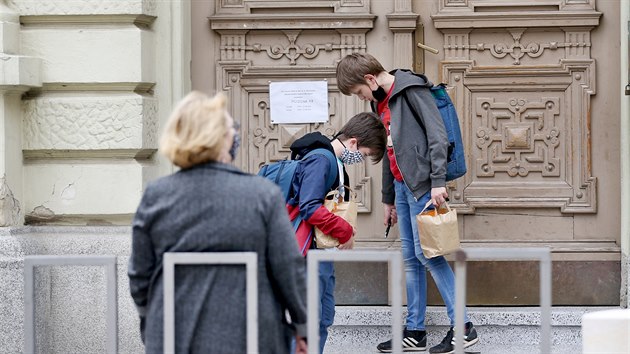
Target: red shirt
x: 383, y: 110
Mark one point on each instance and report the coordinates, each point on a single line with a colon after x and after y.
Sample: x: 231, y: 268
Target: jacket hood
x: 308, y: 142
x: 405, y: 78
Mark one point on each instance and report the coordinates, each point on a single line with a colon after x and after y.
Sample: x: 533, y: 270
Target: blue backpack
x: 456, y: 159
x: 281, y: 172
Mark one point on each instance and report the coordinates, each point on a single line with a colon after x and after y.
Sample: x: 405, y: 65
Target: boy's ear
x: 353, y: 142
x: 369, y: 77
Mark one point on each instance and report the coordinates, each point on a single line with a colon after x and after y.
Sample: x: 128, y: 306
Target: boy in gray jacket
x: 414, y: 172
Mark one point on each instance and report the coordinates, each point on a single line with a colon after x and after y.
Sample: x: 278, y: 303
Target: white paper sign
x: 298, y: 102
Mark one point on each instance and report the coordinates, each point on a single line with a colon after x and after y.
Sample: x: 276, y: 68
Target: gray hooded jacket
x: 420, y: 151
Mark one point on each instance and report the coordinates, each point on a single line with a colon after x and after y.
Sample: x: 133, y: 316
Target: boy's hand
x: 438, y: 195
x: 300, y: 345
x: 390, y: 214
x: 350, y: 243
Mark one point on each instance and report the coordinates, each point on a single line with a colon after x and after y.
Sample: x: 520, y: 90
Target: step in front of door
x: 358, y: 329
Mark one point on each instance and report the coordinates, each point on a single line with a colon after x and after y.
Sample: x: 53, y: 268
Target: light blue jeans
x: 416, y: 264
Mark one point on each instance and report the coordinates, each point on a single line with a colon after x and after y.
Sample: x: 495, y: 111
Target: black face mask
x: 379, y: 94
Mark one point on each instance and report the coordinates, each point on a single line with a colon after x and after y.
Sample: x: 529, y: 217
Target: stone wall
x: 70, y: 301
x: 93, y: 122
x: 85, y: 88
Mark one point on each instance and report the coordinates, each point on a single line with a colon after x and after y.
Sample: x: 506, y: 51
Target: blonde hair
x: 195, y: 131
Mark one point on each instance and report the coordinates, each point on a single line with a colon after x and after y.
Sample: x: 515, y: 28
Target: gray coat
x: 214, y: 207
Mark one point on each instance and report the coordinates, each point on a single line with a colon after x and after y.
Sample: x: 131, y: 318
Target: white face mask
x: 350, y: 157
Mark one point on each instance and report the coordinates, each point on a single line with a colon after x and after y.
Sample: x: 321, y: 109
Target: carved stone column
x: 402, y: 22
x: 19, y: 73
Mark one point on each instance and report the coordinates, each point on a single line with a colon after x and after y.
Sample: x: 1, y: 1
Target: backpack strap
x: 332, y: 176
x: 436, y: 88
x: 413, y: 110
x: 332, y: 159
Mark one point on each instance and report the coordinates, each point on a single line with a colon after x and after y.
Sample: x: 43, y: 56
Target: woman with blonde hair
x: 211, y: 206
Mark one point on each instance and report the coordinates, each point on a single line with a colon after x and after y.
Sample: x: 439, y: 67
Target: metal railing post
x: 249, y: 259
x: 545, y: 302
x: 460, y: 299
x: 109, y: 262
x: 394, y: 260
x: 541, y: 254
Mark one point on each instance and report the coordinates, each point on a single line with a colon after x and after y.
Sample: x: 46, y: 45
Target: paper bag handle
x: 331, y: 195
x: 429, y: 203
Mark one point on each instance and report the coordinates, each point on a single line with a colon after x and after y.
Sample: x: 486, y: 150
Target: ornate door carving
x: 262, y: 41
x: 523, y: 88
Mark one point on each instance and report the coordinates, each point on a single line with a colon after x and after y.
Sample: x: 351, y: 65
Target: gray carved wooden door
x: 539, y: 118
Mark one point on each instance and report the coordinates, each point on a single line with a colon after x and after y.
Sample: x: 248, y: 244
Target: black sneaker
x: 413, y: 341
x: 447, y: 345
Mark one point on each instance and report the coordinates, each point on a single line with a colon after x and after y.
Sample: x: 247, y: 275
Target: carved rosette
x: 522, y: 89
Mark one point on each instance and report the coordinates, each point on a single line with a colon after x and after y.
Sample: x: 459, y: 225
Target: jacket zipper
x: 401, y: 173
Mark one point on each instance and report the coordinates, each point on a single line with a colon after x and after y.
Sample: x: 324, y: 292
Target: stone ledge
x: 17, y: 242
x: 19, y: 71
x: 84, y: 7
x: 66, y: 230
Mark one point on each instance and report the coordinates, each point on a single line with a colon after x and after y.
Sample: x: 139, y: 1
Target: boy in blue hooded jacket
x: 362, y: 136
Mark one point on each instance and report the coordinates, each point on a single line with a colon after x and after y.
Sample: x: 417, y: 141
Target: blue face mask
x: 236, y: 142
x: 349, y: 157
x: 235, y: 145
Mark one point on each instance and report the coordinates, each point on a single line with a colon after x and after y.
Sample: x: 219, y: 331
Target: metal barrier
x: 504, y: 254
x: 249, y: 259
x: 65, y: 260
x: 394, y: 260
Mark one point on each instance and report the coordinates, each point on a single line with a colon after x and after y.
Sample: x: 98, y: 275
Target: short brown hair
x: 195, y: 131
x: 369, y: 131
x: 352, y: 69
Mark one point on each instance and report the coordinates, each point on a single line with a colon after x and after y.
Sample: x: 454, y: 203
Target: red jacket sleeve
x: 331, y: 224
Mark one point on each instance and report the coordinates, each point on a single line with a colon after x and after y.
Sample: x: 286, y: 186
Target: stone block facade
x: 83, y: 95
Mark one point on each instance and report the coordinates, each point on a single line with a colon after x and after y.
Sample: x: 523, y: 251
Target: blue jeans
x: 416, y: 263
x: 327, y: 301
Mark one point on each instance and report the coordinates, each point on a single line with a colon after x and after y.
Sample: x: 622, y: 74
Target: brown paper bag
x: 346, y: 210
x: 439, y: 234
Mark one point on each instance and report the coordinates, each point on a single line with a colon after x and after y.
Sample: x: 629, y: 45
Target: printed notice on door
x: 298, y: 102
